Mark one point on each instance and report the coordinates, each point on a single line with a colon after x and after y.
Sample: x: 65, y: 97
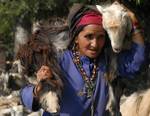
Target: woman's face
x: 91, y: 40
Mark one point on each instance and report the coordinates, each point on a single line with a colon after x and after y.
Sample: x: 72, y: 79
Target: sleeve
x: 27, y: 98
x: 131, y: 60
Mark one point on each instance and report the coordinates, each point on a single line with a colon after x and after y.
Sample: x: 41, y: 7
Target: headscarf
x: 90, y: 17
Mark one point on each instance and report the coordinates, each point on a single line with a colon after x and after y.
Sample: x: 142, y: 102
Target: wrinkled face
x: 91, y: 40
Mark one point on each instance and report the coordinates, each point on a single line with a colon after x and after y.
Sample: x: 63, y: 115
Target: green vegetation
x: 138, y: 2
x: 27, y: 11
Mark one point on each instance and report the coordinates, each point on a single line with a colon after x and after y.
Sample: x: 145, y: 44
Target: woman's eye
x: 101, y: 37
x: 89, y: 36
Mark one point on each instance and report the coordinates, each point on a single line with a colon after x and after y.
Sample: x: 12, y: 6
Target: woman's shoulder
x: 65, y: 56
x: 65, y: 53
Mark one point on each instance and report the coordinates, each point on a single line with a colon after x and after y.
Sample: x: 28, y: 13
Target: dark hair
x: 78, y: 30
x: 74, y: 19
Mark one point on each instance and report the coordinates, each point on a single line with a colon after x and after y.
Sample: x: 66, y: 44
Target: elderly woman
x: 83, y: 64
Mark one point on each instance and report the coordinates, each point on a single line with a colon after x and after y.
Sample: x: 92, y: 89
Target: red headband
x: 90, y: 18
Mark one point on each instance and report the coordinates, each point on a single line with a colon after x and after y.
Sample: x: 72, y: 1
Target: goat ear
x: 128, y: 21
x: 100, y: 9
x: 116, y: 3
x: 129, y: 25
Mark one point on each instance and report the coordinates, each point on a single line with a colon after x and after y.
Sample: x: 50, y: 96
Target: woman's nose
x: 94, y: 43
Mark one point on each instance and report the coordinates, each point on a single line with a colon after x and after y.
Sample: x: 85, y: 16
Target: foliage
x: 14, y: 11
x: 138, y: 2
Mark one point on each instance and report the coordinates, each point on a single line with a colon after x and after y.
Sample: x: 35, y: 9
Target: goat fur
x: 138, y: 104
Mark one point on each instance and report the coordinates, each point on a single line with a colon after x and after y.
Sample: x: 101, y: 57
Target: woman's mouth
x: 93, y: 52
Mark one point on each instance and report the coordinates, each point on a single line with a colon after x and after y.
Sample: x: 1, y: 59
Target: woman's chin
x: 92, y: 55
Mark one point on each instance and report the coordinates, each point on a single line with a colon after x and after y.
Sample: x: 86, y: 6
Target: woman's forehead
x: 94, y: 28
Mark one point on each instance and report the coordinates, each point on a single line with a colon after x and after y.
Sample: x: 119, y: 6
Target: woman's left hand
x: 44, y: 73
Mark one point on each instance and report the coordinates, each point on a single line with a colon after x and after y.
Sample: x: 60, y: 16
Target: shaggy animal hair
x: 38, y: 51
x: 114, y: 83
x: 138, y: 104
x: 50, y: 96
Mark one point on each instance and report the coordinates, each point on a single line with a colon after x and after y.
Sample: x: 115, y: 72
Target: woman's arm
x: 30, y: 93
x: 28, y: 99
x: 137, y: 35
x: 131, y: 60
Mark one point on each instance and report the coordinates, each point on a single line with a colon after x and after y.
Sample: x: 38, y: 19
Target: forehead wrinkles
x: 93, y: 29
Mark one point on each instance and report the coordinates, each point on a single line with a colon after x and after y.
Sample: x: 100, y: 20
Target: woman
x: 84, y: 65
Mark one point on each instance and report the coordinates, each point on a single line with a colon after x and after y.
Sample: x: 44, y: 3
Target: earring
x: 74, y: 47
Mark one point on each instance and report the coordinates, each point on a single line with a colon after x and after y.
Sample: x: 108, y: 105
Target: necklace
x: 89, y: 81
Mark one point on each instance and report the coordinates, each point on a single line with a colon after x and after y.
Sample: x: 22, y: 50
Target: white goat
x: 117, y: 24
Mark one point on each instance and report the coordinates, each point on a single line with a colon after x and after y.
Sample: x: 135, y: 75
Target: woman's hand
x: 131, y: 15
x: 133, y: 18
x: 43, y: 73
x: 137, y: 35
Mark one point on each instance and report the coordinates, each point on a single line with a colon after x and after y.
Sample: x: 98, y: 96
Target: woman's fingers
x: 130, y: 14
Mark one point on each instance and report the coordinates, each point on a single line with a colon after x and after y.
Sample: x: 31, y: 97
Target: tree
x: 23, y: 13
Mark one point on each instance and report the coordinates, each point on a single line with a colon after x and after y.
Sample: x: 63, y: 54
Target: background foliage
x: 27, y: 11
